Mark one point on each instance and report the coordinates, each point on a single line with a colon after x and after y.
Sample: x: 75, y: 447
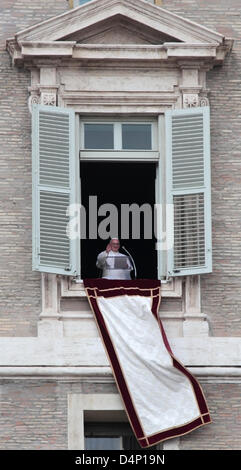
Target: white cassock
x: 109, y: 262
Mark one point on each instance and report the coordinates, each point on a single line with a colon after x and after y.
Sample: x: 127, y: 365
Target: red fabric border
x: 142, y: 287
x: 118, y: 372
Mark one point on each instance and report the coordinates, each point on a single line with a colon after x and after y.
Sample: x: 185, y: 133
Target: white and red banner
x: 161, y: 397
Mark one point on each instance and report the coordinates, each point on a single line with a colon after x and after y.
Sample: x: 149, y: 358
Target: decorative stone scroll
x: 48, y: 99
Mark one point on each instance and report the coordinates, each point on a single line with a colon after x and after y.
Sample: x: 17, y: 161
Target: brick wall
x: 34, y: 415
x: 19, y: 286
x: 225, y: 430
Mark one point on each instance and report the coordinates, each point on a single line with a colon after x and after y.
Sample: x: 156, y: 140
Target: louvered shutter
x: 188, y: 188
x: 55, y: 187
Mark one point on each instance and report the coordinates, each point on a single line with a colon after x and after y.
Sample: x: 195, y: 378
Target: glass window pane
x: 80, y: 2
x: 136, y: 137
x: 99, y: 136
x: 102, y: 443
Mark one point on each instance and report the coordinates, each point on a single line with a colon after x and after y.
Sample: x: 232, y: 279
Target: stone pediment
x: 145, y: 13
x: 83, y: 33
x: 119, y: 30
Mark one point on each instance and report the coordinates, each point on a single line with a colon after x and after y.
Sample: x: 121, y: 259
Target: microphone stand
x: 133, y: 262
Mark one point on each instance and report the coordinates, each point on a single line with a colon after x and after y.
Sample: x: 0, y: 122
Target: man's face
x: 115, y: 245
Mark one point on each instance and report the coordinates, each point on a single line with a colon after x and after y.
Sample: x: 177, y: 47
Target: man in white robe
x: 114, y: 264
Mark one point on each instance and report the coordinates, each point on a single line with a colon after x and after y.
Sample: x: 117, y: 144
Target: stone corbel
x: 48, y: 85
x: 195, y: 323
x: 44, y: 87
x: 34, y: 97
x: 40, y: 95
x: 50, y: 324
x: 193, y: 100
x: 194, y: 97
x: 193, y: 84
x: 203, y: 101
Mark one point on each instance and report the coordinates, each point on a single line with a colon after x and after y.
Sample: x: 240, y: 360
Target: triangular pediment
x: 119, y: 30
x: 150, y: 24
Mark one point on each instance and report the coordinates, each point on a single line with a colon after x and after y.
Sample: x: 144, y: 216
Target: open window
x: 110, y: 436
x: 166, y: 162
x: 118, y: 159
x: 105, y: 430
x: 128, y: 191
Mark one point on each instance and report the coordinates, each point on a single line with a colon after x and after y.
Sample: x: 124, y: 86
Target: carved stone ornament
x: 203, y: 101
x: 34, y: 98
x: 48, y: 99
x: 192, y: 100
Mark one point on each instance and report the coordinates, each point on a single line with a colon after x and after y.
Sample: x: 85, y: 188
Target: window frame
x: 110, y: 429
x: 80, y: 403
x: 164, y: 184
x: 119, y: 155
x: 117, y: 126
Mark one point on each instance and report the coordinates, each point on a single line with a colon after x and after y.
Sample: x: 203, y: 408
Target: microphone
x: 133, y: 262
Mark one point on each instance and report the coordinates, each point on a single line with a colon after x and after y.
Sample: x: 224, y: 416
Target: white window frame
x: 110, y: 433
x: 79, y: 403
x: 117, y: 153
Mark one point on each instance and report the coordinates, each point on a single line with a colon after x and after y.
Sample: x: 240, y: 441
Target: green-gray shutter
x: 55, y: 187
x: 188, y: 188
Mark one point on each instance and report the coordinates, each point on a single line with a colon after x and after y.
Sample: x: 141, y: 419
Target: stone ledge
x: 104, y: 374
x: 72, y: 351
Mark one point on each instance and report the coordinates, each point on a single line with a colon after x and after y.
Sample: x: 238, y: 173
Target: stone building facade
x: 53, y: 366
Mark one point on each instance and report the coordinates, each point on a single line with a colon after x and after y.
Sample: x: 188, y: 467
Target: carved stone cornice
x: 29, y: 52
x: 94, y: 101
x: 190, y: 39
x: 144, y: 12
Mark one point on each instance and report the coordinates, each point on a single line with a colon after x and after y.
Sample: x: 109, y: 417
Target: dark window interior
x: 110, y: 436
x: 119, y: 183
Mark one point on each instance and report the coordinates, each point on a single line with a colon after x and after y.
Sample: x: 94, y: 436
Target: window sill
x: 71, y: 288
x: 111, y: 155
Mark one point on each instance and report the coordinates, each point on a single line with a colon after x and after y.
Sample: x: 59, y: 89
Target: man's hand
x: 108, y: 248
